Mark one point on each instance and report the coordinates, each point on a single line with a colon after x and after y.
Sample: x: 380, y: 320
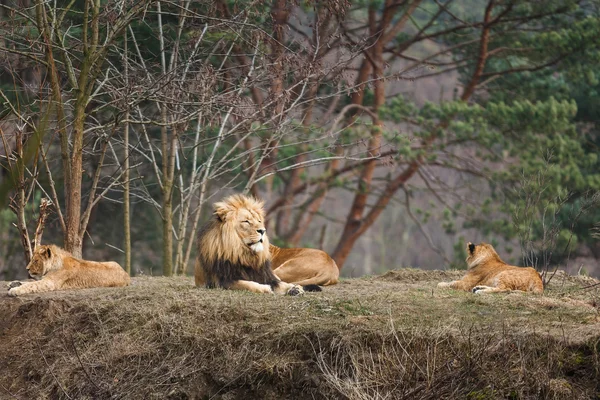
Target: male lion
x: 487, y: 273
x: 304, y: 266
x: 234, y: 252
x: 57, y: 269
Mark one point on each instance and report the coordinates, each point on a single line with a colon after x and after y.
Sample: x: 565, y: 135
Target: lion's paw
x: 14, y: 284
x: 13, y: 292
x: 479, y: 289
x: 295, y: 290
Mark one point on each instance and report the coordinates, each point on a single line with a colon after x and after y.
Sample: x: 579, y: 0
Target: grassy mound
x: 394, y: 336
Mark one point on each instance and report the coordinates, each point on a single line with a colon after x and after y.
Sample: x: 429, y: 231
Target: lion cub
x: 56, y: 269
x: 487, y: 273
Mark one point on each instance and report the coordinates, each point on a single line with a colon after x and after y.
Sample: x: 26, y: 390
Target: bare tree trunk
x: 167, y: 193
x: 169, y: 149
x: 126, y: 194
x: 280, y: 12
x: 355, y: 216
x: 56, y: 95
x: 167, y: 209
x: 19, y: 202
x: 73, y: 240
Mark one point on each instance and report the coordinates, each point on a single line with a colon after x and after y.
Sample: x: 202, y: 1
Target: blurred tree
x: 293, y: 100
x: 563, y: 168
x: 478, y: 134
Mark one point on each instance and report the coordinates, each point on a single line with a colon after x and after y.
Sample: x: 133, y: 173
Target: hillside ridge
x: 394, y: 335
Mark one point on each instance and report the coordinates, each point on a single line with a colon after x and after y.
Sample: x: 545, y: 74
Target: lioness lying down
x: 57, y: 269
x: 487, y: 273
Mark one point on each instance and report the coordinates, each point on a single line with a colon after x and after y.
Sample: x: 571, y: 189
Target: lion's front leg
x: 458, y: 285
x: 251, y: 286
x: 491, y: 289
x: 14, y: 284
x: 45, y: 285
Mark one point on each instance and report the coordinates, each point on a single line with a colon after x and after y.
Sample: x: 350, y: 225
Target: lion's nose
x: 261, y: 231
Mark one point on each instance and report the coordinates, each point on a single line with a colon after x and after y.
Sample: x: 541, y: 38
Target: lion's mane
x: 223, y: 257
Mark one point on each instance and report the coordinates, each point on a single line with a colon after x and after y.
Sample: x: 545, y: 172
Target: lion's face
x: 476, y: 254
x: 250, y: 227
x: 243, y: 218
x: 40, y: 262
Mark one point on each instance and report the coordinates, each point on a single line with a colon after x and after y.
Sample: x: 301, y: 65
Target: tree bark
x: 167, y: 193
x: 354, y: 219
x: 355, y: 216
x: 280, y: 12
x: 167, y: 209
x: 73, y: 242
x: 19, y: 202
x: 126, y: 187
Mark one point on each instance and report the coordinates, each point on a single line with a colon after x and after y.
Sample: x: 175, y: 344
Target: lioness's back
x: 84, y: 273
x: 57, y: 269
x: 488, y: 273
x: 521, y: 278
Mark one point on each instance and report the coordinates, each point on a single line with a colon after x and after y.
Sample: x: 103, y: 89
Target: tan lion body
x: 304, y: 266
x: 59, y: 270
x: 487, y: 273
x: 234, y: 251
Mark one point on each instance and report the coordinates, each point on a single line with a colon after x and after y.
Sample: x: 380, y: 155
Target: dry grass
x: 389, y: 337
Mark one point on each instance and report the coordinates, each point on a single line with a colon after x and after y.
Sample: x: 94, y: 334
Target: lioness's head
x: 480, y: 253
x: 237, y: 232
x: 43, y: 261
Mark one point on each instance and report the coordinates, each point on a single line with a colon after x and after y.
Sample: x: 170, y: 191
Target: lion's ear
x: 48, y: 252
x: 222, y: 210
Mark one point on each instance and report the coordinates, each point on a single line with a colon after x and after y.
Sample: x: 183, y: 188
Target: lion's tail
x: 312, y: 288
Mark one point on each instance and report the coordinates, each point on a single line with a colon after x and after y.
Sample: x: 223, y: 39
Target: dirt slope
x: 394, y: 336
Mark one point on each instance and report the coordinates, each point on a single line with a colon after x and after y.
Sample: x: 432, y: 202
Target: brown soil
x: 395, y: 336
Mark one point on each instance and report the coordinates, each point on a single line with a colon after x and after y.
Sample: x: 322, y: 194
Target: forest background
x: 388, y: 133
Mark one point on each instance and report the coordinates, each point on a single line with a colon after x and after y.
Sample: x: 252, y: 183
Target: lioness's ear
x: 48, y: 252
x: 222, y: 210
